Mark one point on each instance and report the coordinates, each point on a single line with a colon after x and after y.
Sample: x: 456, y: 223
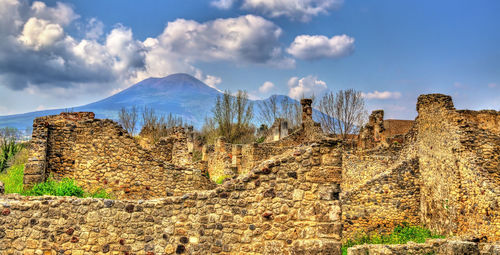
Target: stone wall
x: 445, y: 175
x: 100, y: 154
x: 459, y: 162
x: 359, y: 168
x: 387, y: 200
x: 382, y: 133
x: 225, y: 159
x: 287, y: 205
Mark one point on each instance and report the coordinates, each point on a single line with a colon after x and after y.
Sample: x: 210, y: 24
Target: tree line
x: 340, y: 113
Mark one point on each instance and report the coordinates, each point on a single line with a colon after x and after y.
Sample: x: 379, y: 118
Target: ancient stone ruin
x: 303, y: 193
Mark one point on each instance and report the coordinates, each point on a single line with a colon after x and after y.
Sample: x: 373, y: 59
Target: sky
x: 60, y: 54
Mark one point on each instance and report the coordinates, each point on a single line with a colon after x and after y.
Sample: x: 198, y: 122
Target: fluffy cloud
x: 39, y: 33
x: 381, y: 95
x: 36, y: 53
x: 60, y: 14
x: 305, y: 87
x: 249, y: 39
x: 312, y: 47
x: 266, y: 87
x: 302, y: 10
x: 223, y: 4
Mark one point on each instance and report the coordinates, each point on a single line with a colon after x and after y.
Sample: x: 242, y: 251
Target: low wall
x: 437, y: 247
x: 101, y: 154
x: 289, y: 205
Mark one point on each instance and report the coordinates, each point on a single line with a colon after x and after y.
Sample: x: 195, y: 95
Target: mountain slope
x: 179, y: 94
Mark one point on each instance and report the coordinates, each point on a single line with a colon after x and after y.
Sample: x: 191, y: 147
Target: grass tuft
x: 401, y: 234
x: 13, y: 182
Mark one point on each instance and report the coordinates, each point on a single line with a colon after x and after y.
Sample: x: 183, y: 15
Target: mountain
x: 179, y: 94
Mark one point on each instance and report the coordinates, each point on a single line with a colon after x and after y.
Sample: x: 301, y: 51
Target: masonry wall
x: 289, y: 205
x: 388, y: 199
x: 459, y: 163
x: 100, y: 154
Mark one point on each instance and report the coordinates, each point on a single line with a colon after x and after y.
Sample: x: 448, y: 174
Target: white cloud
x: 38, y: 54
x: 305, y: 87
x: 492, y: 85
x: 311, y: 47
x: 61, y: 14
x: 39, y: 33
x: 266, y: 87
x: 95, y: 29
x: 381, y: 95
x: 302, y: 10
x: 223, y: 4
x: 249, y: 39
x: 212, y: 81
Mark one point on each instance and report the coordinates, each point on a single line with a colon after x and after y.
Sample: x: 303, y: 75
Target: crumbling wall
x: 224, y: 159
x: 382, y: 133
x: 385, y: 201
x: 288, y: 205
x: 100, y: 154
x: 459, y: 163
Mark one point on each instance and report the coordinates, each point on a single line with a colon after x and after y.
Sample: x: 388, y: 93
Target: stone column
x: 306, y: 109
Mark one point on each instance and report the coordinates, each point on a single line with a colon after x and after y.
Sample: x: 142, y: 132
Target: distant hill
x: 179, y: 94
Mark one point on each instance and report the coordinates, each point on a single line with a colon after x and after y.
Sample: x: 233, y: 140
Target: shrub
x: 7, y: 151
x: 401, y: 234
x: 65, y: 187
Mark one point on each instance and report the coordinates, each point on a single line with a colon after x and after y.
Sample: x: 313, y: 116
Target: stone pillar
x: 35, y: 170
x: 306, y: 109
x: 190, y: 139
x: 283, y: 128
x: 204, y: 153
x: 220, y: 144
x: 236, y: 157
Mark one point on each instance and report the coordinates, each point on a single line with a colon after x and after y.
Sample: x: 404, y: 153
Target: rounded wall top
x: 433, y: 100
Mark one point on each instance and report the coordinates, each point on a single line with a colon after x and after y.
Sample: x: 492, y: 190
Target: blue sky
x: 67, y: 53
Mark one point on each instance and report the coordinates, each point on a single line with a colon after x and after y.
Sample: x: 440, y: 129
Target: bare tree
x: 343, y: 113
x: 269, y: 110
x: 128, y: 119
x: 292, y: 112
x: 232, y: 117
x: 243, y: 112
x: 156, y: 126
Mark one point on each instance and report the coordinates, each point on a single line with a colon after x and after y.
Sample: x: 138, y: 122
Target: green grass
x: 221, y: 179
x: 64, y: 187
x: 400, y: 235
x: 13, y: 182
x: 13, y: 179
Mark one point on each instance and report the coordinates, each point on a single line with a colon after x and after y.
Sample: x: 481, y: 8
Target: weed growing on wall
x: 221, y: 179
x: 400, y: 235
